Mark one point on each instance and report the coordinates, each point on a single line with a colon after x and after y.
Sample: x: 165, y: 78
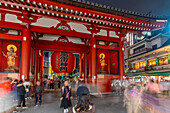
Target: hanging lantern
x: 62, y: 62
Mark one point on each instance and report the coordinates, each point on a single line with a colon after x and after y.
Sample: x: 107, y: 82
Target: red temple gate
x: 101, y: 55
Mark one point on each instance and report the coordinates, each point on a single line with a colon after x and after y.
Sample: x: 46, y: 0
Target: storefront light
x: 163, y: 56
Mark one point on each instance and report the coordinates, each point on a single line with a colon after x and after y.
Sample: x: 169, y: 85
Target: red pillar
x: 25, y: 54
x: 36, y: 63
x: 85, y: 66
x: 42, y: 66
x: 121, y: 60
x: 93, y: 75
x: 80, y: 57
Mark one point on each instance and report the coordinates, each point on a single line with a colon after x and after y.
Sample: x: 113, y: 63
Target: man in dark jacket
x: 38, y: 92
x: 21, y: 95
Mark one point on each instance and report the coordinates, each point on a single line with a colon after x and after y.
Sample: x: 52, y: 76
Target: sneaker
x: 18, y: 107
x: 36, y: 105
x: 25, y: 107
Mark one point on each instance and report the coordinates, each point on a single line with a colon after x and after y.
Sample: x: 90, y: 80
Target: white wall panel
x: 46, y: 22
x: 12, y: 18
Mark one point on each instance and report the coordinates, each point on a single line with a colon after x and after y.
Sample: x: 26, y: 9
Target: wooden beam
x: 10, y: 37
x: 11, y: 25
x: 60, y: 46
x: 106, y: 38
x: 56, y: 31
x: 107, y: 47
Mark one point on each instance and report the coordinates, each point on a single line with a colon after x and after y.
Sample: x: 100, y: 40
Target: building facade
x: 150, y: 56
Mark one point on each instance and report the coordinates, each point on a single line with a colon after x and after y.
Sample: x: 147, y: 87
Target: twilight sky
x: 158, y: 7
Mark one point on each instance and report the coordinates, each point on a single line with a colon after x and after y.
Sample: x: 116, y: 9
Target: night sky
x: 157, y: 7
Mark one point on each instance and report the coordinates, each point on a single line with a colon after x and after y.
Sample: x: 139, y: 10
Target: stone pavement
x: 7, y: 103
x: 51, y: 104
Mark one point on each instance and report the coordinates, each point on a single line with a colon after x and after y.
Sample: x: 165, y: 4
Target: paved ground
x: 51, y: 104
x: 7, y: 102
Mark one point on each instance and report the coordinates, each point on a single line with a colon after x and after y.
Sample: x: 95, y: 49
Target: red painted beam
x: 106, y: 38
x: 11, y: 25
x: 10, y: 37
x: 60, y: 46
x: 72, y: 50
x: 56, y: 31
x: 55, y: 43
x: 107, y: 47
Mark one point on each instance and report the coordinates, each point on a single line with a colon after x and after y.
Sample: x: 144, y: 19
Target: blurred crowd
x: 139, y: 97
x: 150, y: 97
x: 19, y: 91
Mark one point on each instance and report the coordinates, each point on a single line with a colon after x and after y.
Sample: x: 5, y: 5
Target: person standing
x: 21, y: 95
x: 59, y: 83
x: 117, y: 85
x: 51, y: 84
x: 66, y: 97
x: 132, y: 98
x: 48, y: 84
x: 14, y: 89
x: 153, y: 88
x: 27, y: 84
x: 83, y: 105
x: 38, y: 93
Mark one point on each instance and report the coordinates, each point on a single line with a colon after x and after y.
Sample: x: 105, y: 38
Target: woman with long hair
x: 83, y: 105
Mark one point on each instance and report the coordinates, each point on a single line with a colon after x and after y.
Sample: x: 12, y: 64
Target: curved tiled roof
x: 112, y: 10
x: 83, y: 12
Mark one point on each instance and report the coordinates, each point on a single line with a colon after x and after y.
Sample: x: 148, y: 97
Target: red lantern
x: 62, y: 62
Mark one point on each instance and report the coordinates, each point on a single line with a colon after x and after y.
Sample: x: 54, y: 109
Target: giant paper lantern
x: 62, y: 62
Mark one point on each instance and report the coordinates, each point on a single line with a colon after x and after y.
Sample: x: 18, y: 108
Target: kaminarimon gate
x: 28, y: 28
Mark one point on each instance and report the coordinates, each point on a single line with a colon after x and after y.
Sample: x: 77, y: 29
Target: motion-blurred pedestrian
x: 14, y: 89
x: 27, y: 84
x: 38, y: 89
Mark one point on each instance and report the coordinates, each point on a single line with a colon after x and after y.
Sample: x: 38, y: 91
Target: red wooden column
x: 85, y: 66
x: 121, y: 60
x: 36, y: 63
x: 42, y: 66
x: 93, y: 75
x: 121, y: 34
x: 25, y: 54
x: 80, y: 57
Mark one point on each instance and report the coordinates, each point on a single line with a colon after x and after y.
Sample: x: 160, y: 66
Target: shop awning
x: 148, y: 74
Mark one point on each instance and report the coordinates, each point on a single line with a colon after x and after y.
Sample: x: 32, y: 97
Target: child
x: 66, y: 97
x: 38, y: 93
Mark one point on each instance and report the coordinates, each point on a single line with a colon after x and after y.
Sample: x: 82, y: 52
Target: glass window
x: 152, y: 62
x: 154, y: 47
x: 140, y: 48
x: 163, y: 60
x: 137, y: 65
